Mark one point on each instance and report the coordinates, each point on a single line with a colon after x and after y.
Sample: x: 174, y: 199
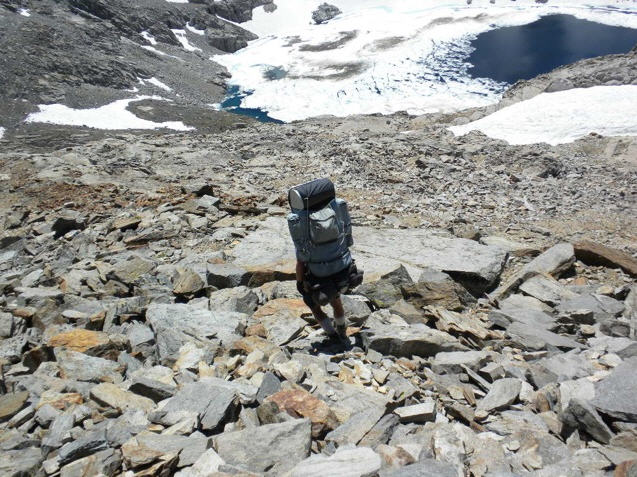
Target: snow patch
x: 111, y: 116
x: 194, y: 30
x: 562, y: 117
x: 160, y: 53
x: 383, y: 56
x: 2, y: 130
x: 154, y: 81
x: 177, y: 1
x: 24, y: 12
x: 148, y: 37
x: 183, y: 39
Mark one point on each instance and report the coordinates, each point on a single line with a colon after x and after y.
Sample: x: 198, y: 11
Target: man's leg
x: 339, y: 316
x: 323, y: 320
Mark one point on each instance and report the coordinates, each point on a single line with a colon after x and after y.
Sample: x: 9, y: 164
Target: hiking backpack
x: 320, y: 227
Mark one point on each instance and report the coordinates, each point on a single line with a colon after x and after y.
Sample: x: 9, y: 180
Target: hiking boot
x: 341, y: 332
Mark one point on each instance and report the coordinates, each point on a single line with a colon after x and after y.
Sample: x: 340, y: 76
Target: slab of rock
x: 601, y: 306
x: 411, y: 340
x: 437, y: 289
x: 275, y: 448
x: 534, y: 337
x: 388, y: 290
x: 425, y: 468
x: 356, y: 427
x: 615, y: 394
x: 58, y: 431
x: 208, y: 463
x: 212, y: 404
x: 269, y: 385
x: 417, y: 413
x: 226, y: 275
x: 270, y: 251
x: 94, y: 343
x: 81, y: 367
x: 554, y: 261
x: 452, y: 362
x: 130, y: 271
x: 502, y: 394
x: 152, y: 389
x: 176, y: 324
x: 106, y: 462
x: 583, y: 416
x: 11, y: 404
x: 240, y: 299
x: 188, y: 283
x: 88, y: 444
x: 592, y: 253
x: 546, y: 289
x: 17, y: 463
x: 527, y: 316
x: 381, y: 432
x: 111, y: 395
x: 348, y: 462
x: 300, y: 403
x: 147, y: 446
x: 514, y: 248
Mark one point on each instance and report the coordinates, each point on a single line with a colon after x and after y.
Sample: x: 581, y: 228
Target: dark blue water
x: 523, y: 52
x: 232, y: 104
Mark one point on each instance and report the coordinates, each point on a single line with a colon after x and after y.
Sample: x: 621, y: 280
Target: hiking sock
x: 326, y: 324
x: 339, y: 320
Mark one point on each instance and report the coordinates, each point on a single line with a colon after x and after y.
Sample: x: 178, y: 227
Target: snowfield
x: 383, y: 56
x: 110, y: 116
x: 562, y: 117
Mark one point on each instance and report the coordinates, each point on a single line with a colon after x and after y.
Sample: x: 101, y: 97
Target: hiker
x: 321, y: 230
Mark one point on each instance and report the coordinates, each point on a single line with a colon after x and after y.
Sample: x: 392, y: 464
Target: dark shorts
x: 322, y: 290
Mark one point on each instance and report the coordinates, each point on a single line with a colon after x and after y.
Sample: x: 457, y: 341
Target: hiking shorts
x: 322, y: 290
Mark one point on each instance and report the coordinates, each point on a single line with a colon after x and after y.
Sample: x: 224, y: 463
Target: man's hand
x: 300, y: 287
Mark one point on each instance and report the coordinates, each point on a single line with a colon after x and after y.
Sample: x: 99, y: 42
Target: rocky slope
x: 159, y: 332
x: 150, y: 324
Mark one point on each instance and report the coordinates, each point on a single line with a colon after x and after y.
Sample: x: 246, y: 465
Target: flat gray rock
x: 554, y: 261
x: 210, y: 403
x: 417, y: 413
x: 616, y: 395
x: 348, y: 462
x: 534, y: 337
x: 546, y: 289
x: 600, y: 305
x: 17, y: 463
x: 190, y: 448
x: 177, y: 324
x: 356, y: 427
x: 411, y: 340
x: 269, y: 250
x: 423, y: 468
x: 106, y: 462
x: 88, y: 444
x: 272, y: 448
x: 240, y: 299
x: 502, y: 394
x: 81, y: 367
x: 583, y: 416
x: 452, y: 362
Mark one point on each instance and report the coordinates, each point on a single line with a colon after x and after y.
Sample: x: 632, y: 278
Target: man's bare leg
x: 323, y: 320
x: 339, y: 317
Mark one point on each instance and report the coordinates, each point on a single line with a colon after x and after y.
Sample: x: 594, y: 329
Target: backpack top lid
x: 312, y: 195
